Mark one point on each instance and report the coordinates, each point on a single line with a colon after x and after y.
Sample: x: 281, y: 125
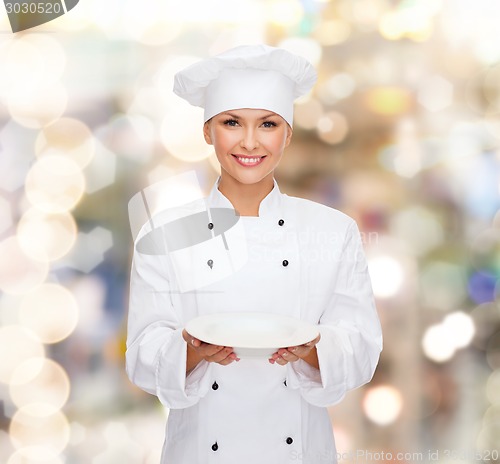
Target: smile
x: 247, y: 161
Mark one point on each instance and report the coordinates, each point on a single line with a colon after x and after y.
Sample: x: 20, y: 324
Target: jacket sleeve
x: 156, y: 351
x: 351, y: 336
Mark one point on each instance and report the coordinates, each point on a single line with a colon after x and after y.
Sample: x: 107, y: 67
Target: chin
x: 248, y: 180
x: 253, y: 177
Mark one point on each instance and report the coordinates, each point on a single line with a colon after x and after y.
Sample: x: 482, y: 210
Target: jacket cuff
x: 326, y: 386
x: 303, y: 374
x: 174, y: 389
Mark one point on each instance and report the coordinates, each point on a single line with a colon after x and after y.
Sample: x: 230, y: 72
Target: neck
x: 246, y: 198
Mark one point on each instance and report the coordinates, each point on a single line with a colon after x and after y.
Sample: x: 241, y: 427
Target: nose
x: 249, y: 140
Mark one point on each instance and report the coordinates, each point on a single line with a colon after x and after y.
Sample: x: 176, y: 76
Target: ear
x: 206, y: 132
x: 288, y: 135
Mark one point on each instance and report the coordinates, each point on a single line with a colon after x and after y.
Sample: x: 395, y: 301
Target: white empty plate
x: 252, y: 334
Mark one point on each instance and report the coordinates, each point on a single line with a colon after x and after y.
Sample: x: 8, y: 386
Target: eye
x: 231, y: 122
x: 269, y: 124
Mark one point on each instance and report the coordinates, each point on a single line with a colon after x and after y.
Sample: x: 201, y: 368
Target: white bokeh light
x: 435, y: 93
x: 283, y: 12
x: 19, y: 273
x: 17, y: 344
x: 438, y: 343
x: 50, y: 311
x: 308, y: 113
x: 39, y: 380
x: 39, y: 431
x: 67, y: 137
x: 386, y: 274
x: 38, y: 108
x: 383, y: 404
x: 493, y: 387
x: 461, y: 327
x: 336, y: 88
x: 55, y: 184
x: 182, y: 134
x: 308, y: 48
x: 332, y: 127
x: 30, y: 62
x: 441, y: 341
x: 46, y: 237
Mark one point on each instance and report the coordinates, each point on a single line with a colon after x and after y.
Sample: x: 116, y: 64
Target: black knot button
x: 281, y: 222
x: 210, y: 226
x: 285, y: 262
x: 215, y: 386
x: 289, y: 441
x: 284, y: 383
x: 215, y: 446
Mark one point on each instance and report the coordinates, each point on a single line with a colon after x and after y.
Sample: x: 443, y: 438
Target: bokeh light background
x: 402, y: 132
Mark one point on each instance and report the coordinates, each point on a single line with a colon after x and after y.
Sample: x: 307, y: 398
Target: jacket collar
x: 269, y: 206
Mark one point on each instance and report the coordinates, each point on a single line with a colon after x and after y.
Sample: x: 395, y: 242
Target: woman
x: 302, y: 259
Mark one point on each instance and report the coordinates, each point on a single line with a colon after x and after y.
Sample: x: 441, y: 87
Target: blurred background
x: 402, y: 132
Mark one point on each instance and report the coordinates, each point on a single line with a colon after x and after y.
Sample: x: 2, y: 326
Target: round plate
x: 252, y: 334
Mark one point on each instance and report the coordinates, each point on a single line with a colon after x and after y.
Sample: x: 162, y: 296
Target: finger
x: 289, y: 357
x: 313, y: 342
x: 186, y: 336
x: 225, y: 362
x: 207, y: 350
x: 281, y: 361
x: 272, y: 359
x: 219, y: 355
x: 282, y: 357
x: 285, y: 352
x: 299, y: 351
x: 231, y: 358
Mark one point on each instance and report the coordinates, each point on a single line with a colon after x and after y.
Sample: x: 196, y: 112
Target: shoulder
x: 317, y: 214
x: 163, y: 216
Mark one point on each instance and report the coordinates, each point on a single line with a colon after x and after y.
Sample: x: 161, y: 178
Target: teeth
x: 249, y: 160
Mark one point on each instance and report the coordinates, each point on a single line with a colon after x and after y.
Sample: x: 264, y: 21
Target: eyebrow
x: 235, y: 116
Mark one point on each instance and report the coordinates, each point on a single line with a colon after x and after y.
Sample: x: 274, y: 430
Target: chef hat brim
x: 255, y: 76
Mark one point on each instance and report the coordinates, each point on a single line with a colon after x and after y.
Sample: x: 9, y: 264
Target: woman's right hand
x: 223, y: 355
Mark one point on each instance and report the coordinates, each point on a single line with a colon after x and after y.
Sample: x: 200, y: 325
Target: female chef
x: 301, y: 259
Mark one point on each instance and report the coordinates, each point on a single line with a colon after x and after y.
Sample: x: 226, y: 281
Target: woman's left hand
x: 291, y: 354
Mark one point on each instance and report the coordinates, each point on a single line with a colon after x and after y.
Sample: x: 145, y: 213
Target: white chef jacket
x: 305, y: 260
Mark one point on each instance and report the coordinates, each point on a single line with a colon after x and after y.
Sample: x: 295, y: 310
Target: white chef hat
x: 248, y: 76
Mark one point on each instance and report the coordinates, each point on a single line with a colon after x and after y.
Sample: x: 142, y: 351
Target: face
x: 249, y: 143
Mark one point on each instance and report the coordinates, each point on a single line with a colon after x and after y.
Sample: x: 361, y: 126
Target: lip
x: 248, y: 165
